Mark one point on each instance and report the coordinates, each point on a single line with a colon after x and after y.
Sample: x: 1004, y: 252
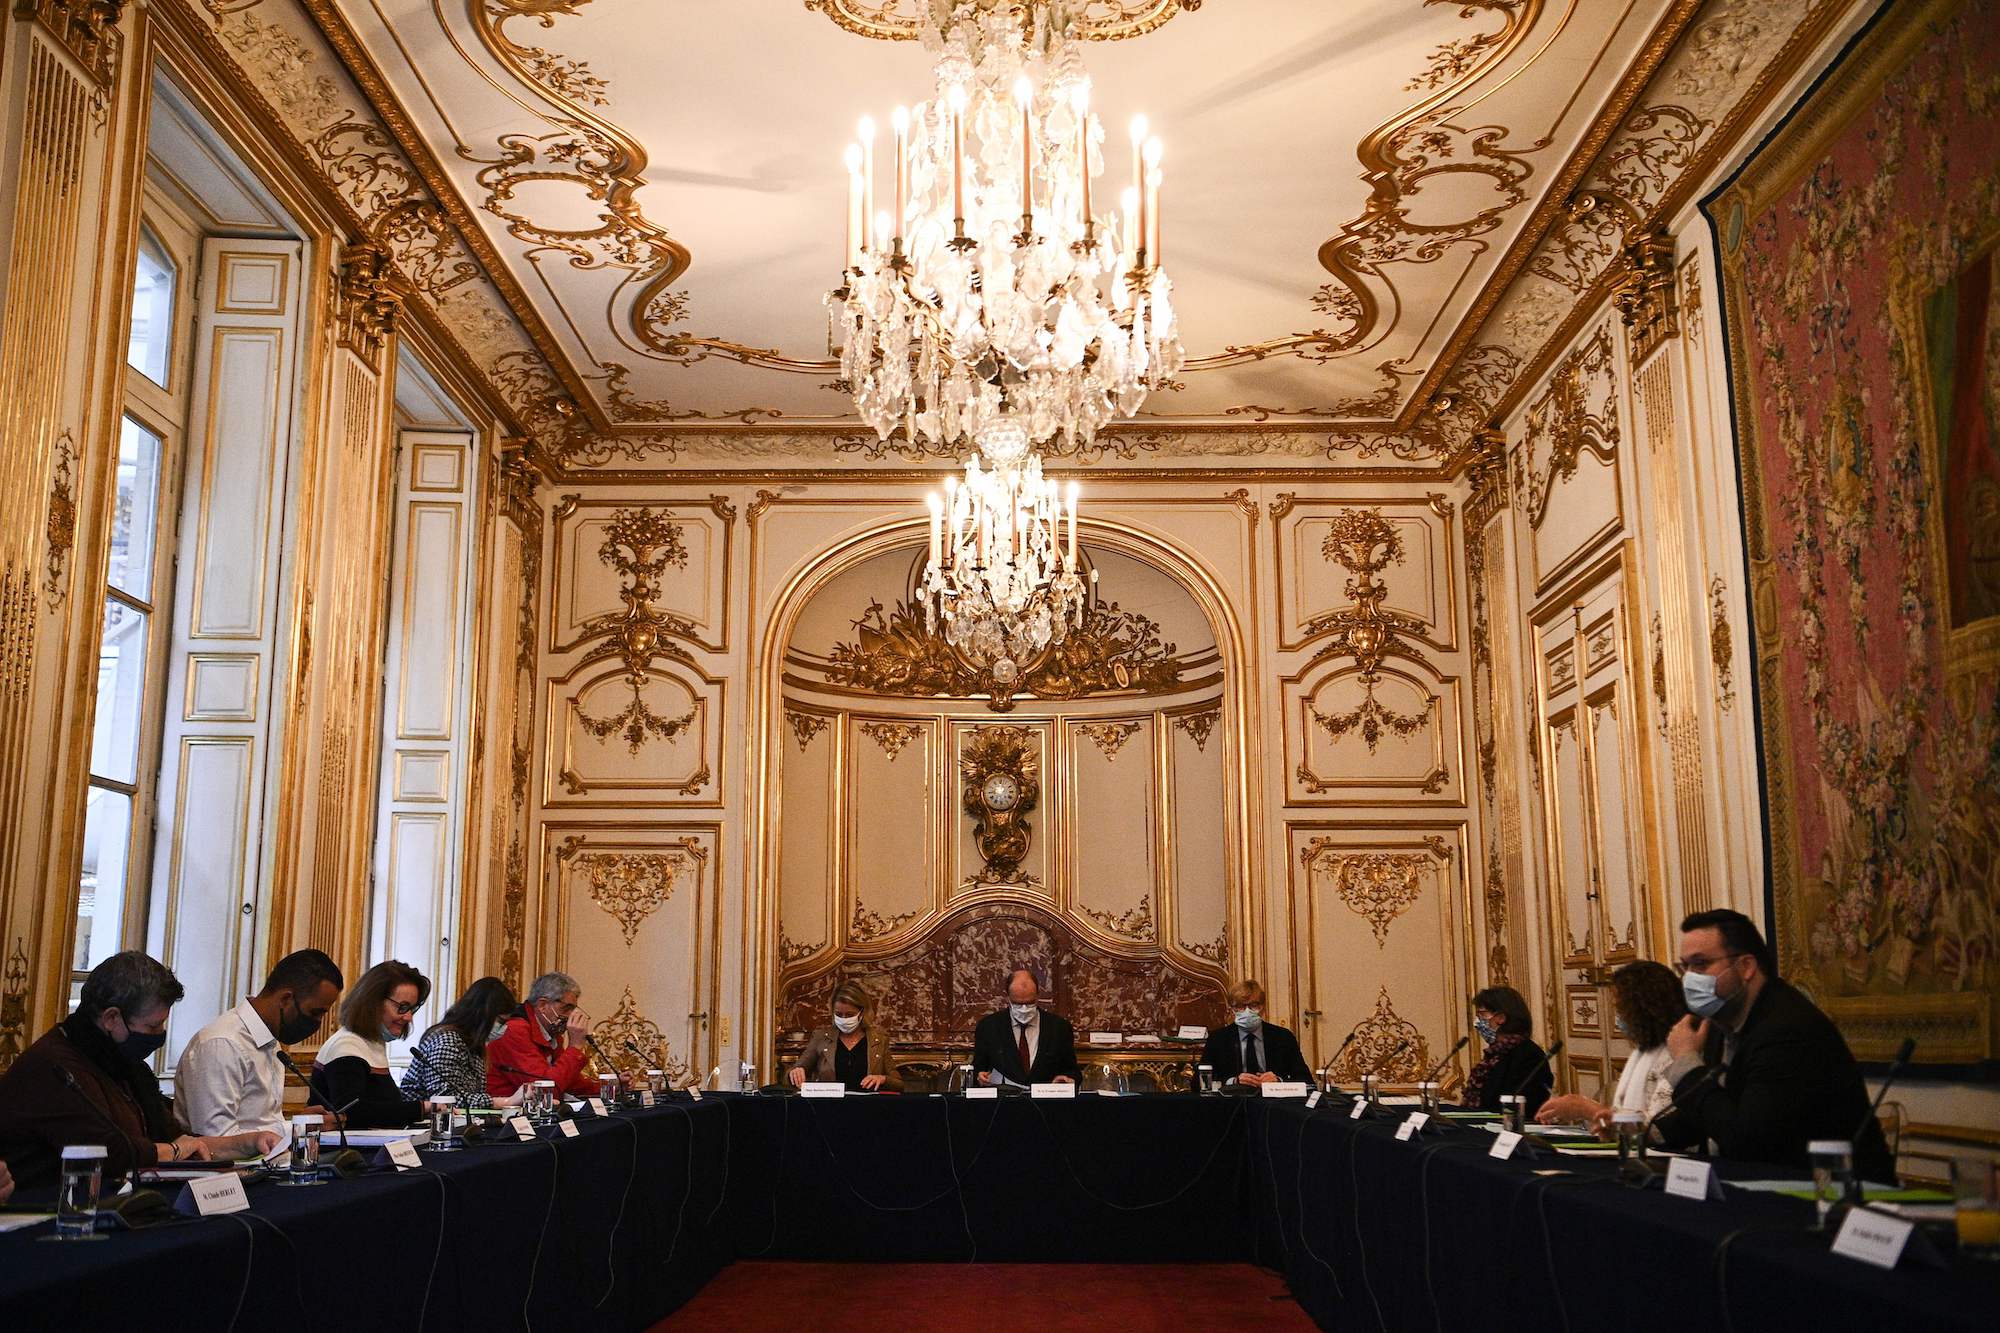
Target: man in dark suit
x: 1250, y: 1051
x: 1757, y: 1069
x: 1022, y: 1043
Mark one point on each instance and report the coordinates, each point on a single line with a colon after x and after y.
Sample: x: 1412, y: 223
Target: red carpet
x: 1127, y: 1297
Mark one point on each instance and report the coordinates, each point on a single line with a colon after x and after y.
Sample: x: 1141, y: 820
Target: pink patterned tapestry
x: 1858, y: 251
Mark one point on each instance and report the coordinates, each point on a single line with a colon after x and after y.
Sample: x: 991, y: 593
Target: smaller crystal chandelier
x: 1003, y: 574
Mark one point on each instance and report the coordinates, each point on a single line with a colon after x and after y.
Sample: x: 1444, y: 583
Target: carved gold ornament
x: 1000, y: 768
x: 61, y: 525
x: 1109, y: 737
x: 626, y: 1023
x: 1214, y: 951
x: 1374, y: 1038
x: 806, y: 727
x: 1364, y: 543
x: 909, y: 20
x: 1562, y: 424
x: 791, y: 951
x: 891, y: 736
x: 636, y: 721
x: 14, y: 1006
x: 366, y: 303
x: 631, y: 886
x: 1113, y: 651
x: 1135, y: 923
x: 1371, y: 718
x: 1199, y: 726
x: 1721, y: 651
x: 1646, y: 294
x: 87, y: 29
x: 1377, y: 886
x: 1659, y: 672
x: 872, y: 925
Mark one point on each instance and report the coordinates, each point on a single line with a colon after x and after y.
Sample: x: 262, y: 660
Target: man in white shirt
x: 230, y: 1079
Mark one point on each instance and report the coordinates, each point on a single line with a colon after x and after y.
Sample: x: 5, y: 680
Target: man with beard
x: 231, y: 1078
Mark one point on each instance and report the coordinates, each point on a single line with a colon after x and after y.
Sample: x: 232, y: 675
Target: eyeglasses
x: 1701, y: 964
x: 405, y: 1009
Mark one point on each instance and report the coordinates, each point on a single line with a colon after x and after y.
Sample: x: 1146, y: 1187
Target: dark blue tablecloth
x: 1431, y: 1233
x: 621, y: 1225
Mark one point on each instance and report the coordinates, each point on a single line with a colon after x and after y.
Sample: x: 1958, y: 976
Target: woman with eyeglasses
x: 1511, y: 1064
x: 351, y: 1073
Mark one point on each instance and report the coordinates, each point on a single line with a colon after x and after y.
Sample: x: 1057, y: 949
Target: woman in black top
x: 1512, y: 1062
x: 351, y: 1073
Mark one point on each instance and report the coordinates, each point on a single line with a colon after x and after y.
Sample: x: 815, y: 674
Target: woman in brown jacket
x: 848, y: 1050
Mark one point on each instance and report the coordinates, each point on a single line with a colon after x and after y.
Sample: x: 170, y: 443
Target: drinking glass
x: 1371, y: 1089
x: 76, y: 1198
x: 1427, y: 1093
x: 1206, y: 1075
x: 656, y: 1082
x: 305, y: 1150
x: 1975, y: 1187
x: 446, y: 1125
x: 1514, y: 1113
x: 746, y: 1076
x: 545, y: 1101
x: 1629, y: 1128
x: 1832, y: 1170
x: 607, y: 1090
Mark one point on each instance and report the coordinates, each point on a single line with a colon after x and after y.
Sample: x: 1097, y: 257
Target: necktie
x: 1021, y: 1029
x: 1251, y: 1064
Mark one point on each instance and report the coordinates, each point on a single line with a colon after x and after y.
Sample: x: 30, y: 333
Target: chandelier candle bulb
x: 1024, y: 93
x: 901, y: 121
x: 866, y: 133
x: 957, y: 100
x: 855, y: 210
x: 1072, y: 526
x: 1149, y: 205
x: 937, y: 525
x: 1081, y: 100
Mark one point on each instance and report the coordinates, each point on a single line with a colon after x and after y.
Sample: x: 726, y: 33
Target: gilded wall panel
x: 893, y: 865
x: 809, y: 827
x: 592, y: 568
x: 614, y: 738
x: 971, y: 870
x: 1566, y: 462
x: 1315, y: 581
x: 1395, y: 739
x: 1194, y: 834
x: 1113, y: 849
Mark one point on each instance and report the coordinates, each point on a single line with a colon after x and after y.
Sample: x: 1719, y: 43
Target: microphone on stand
x: 1394, y: 1051
x: 140, y: 1208
x: 1896, y: 1068
x: 347, y: 1163
x: 1532, y: 1074
x: 1345, y: 1042
x: 1437, y: 1069
x: 1639, y: 1172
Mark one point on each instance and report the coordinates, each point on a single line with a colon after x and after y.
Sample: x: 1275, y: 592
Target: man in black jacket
x: 1250, y: 1051
x: 1022, y: 1043
x: 1757, y: 1069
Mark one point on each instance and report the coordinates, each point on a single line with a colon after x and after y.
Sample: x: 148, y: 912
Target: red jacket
x: 521, y: 1055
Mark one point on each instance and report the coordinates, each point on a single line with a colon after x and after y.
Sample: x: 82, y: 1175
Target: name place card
x: 984, y: 1094
x: 574, y: 1107
x: 1192, y: 1032
x: 825, y: 1089
x: 568, y: 1128
x: 1107, y: 1038
x: 1312, y: 1101
x: 1689, y: 1179
x: 597, y: 1106
x: 1359, y: 1109
x: 1286, y: 1089
x: 1060, y: 1091
x: 1504, y: 1144
x: 646, y: 1098
x: 1415, y: 1121
x: 221, y: 1193
x: 1872, y: 1237
x: 646, y: 1095
x: 522, y: 1129
x: 404, y: 1154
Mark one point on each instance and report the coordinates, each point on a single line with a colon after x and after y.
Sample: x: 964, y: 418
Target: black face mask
x: 141, y: 1045
x: 295, y: 1027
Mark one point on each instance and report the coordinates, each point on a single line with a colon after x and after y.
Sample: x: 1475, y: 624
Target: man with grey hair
x: 536, y: 1041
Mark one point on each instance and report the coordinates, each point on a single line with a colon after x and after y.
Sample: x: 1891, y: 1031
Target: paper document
x: 15, y: 1221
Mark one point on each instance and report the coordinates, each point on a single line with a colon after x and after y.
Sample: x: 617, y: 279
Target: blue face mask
x: 1249, y: 1019
x: 1698, y: 988
x: 1619, y: 1024
x: 1485, y: 1029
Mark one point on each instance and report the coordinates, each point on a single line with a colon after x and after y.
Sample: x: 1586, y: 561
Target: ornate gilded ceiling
x: 1376, y: 212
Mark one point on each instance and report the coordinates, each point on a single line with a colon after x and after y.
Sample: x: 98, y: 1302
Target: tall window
x: 125, y: 739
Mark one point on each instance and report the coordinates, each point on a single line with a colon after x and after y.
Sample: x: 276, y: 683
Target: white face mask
x: 847, y: 1022
x: 1249, y: 1019
x: 1023, y: 1013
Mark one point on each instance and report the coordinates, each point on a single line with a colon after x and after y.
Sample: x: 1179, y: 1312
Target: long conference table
x: 618, y: 1226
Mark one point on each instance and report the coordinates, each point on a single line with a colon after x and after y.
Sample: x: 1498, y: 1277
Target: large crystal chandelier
x: 995, y: 310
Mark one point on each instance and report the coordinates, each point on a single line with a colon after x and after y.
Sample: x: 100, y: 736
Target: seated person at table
x: 1022, y: 1044
x: 1646, y: 1003
x: 230, y: 1078
x: 1250, y: 1051
x: 351, y: 1073
x: 537, y: 1042
x: 1512, y: 1063
x: 87, y: 1080
x: 450, y: 1060
x: 848, y: 1051
x: 1757, y: 1070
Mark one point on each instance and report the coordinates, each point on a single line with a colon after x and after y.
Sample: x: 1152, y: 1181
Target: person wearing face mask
x: 544, y: 1038
x: 230, y: 1079
x: 1510, y: 1063
x: 351, y: 1072
x: 1758, y: 1071
x: 1646, y: 1003
x: 849, y: 1051
x: 1022, y: 1043
x: 88, y: 1080
x: 450, y: 1060
x: 1251, y: 1051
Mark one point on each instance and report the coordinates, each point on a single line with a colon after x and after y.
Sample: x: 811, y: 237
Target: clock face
x: 1000, y: 792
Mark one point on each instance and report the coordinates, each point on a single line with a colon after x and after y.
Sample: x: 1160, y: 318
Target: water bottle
x: 76, y: 1198
x: 446, y: 1135
x: 746, y: 1076
x: 305, y: 1150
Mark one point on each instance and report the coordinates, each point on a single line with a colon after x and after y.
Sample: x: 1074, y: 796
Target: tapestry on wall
x: 1859, y: 259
